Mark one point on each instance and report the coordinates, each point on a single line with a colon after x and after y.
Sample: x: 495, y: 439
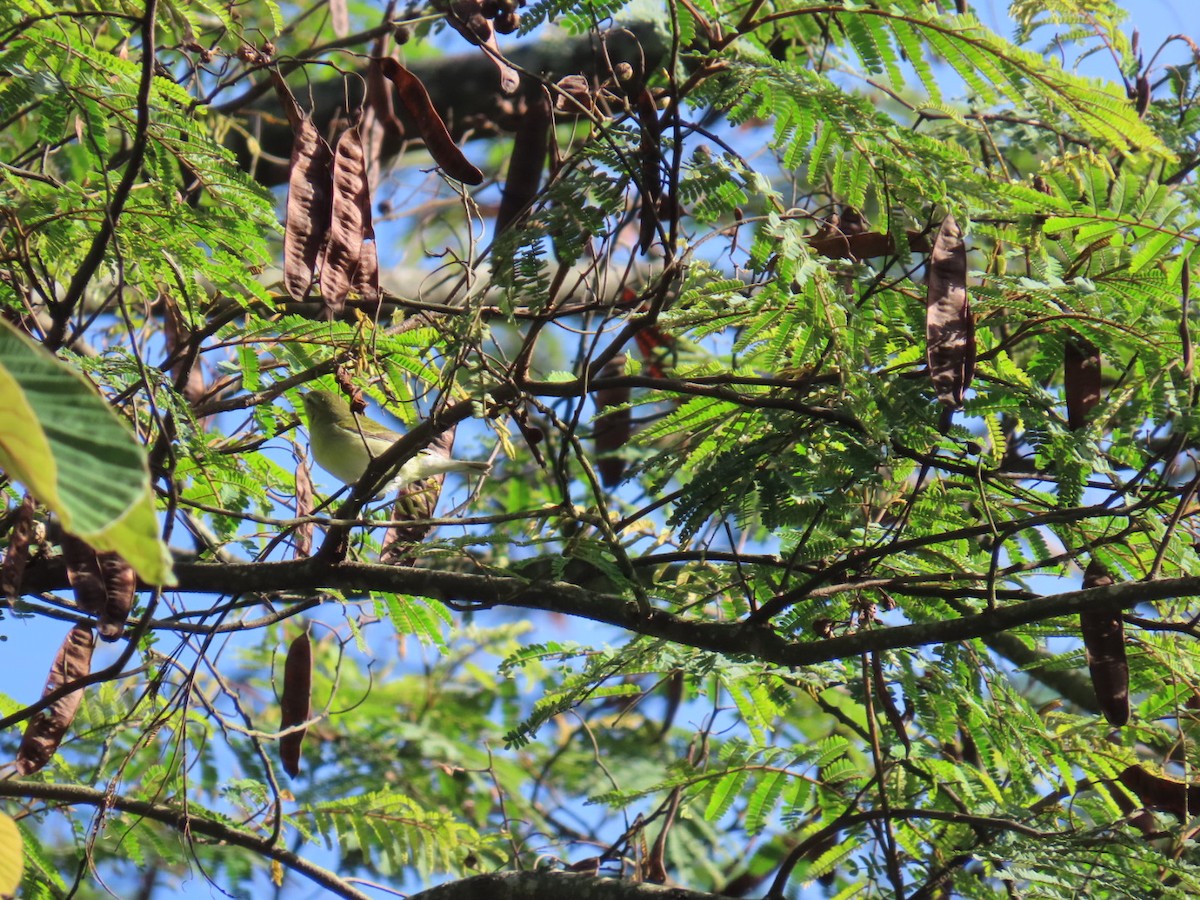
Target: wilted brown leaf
x: 295, y: 703
x: 46, y: 729
x: 949, y: 325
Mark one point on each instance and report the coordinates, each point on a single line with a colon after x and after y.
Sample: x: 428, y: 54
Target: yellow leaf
x: 12, y: 856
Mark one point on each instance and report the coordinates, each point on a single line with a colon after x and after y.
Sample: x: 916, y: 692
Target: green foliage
x: 740, y: 600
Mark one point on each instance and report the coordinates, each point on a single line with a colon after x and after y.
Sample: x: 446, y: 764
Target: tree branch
x: 183, y: 822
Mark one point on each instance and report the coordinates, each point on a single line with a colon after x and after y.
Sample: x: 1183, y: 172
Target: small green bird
x: 344, y: 445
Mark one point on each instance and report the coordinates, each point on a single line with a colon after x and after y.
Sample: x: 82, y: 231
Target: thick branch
x: 184, y: 823
x: 553, y: 886
x: 568, y: 599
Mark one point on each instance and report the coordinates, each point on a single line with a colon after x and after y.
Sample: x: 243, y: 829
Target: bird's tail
x: 436, y: 464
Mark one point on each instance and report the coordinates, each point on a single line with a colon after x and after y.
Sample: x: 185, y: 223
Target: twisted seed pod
x: 1177, y: 797
x: 349, y: 223
x: 104, y: 585
x: 528, y: 159
x: 949, y: 326
x: 45, y: 731
x: 310, y: 196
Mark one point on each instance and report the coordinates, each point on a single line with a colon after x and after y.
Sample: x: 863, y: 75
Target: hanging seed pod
x: 1081, y: 379
x: 650, y: 155
x: 350, y: 220
x: 1104, y: 640
x: 295, y: 703
x: 415, y: 503
x: 104, y: 585
x: 45, y: 731
x: 1177, y: 797
x: 949, y: 326
x: 612, y: 428
x: 528, y: 159
x: 433, y: 130
x: 339, y: 17
x: 310, y: 196
x: 304, y: 507
x: 16, y: 554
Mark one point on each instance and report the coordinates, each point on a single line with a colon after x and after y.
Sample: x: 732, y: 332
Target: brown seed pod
x: 304, y: 507
x: 1104, y: 640
x: 310, y: 196
x: 46, y: 729
x: 612, y: 428
x: 295, y: 703
x: 339, y: 17
x: 350, y: 221
x: 528, y: 159
x: 16, y: 554
x: 651, y: 175
x: 433, y: 130
x: 414, y: 503
x: 949, y: 326
x: 1177, y: 797
x: 104, y: 585
x: 507, y: 22
x: 1081, y: 379
x: 186, y: 366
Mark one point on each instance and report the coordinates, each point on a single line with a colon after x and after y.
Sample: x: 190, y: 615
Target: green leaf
x: 74, y: 454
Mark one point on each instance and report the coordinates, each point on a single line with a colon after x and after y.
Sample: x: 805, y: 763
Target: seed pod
x: 1104, y: 640
x: 16, y: 554
x: 468, y: 19
x: 339, y: 17
x: 304, y: 507
x: 175, y: 337
x: 949, y: 326
x: 658, y: 350
x: 650, y: 154
x: 310, y: 196
x: 528, y: 159
x: 433, y: 130
x: 612, y: 428
x: 295, y: 703
x: 414, y: 503
x: 350, y: 220
x: 1081, y: 379
x: 46, y: 729
x: 104, y: 585
x: 1177, y: 797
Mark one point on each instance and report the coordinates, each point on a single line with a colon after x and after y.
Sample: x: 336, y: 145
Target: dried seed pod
x: 949, y: 326
x: 304, y: 507
x: 366, y: 279
x: 295, y: 703
x: 350, y: 221
x: 507, y: 22
x: 339, y: 17
x: 46, y: 729
x: 1177, y: 797
x: 1081, y: 379
x: 528, y: 159
x: 414, y: 503
x: 185, y: 367
x: 612, y: 428
x: 650, y: 155
x: 468, y: 19
x: 310, y: 196
x: 1104, y: 640
x: 433, y: 130
x: 16, y: 554
x: 104, y: 585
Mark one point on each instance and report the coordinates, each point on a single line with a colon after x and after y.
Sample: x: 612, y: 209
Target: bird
x: 344, y: 444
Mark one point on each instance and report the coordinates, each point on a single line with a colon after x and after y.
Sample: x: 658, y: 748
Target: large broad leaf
x: 11, y: 857
x: 72, y: 451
